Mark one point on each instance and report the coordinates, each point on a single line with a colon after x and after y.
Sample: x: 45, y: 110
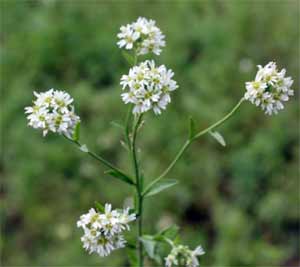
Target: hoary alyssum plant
x: 147, y: 87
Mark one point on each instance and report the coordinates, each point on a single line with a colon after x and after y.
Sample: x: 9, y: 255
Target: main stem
x: 139, y: 189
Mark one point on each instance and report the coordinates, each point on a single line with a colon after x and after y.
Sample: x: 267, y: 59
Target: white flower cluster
x: 148, y: 87
x: 103, y: 231
x: 53, y: 111
x: 182, y: 256
x: 269, y: 89
x: 143, y: 36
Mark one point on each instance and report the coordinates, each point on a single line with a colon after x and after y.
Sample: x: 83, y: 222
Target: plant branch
x: 190, y: 140
x: 95, y: 156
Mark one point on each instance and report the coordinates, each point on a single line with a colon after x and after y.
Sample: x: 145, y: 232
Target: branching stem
x: 190, y: 140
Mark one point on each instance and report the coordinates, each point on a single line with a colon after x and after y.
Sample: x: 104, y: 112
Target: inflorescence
x: 181, y: 255
x: 148, y: 87
x: 269, y: 89
x: 103, y: 231
x: 143, y: 36
x: 53, y: 111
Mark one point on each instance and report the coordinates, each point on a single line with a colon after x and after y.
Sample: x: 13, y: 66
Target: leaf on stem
x: 117, y: 125
x: 99, y: 207
x: 76, y: 134
x: 218, y: 137
x: 84, y: 148
x: 129, y: 58
x: 159, y: 186
x: 120, y: 176
x: 192, y: 128
x: 149, y: 244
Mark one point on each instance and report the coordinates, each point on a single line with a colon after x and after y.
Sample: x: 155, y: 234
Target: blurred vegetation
x: 240, y: 202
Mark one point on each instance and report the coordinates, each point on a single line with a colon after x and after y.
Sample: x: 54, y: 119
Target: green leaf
x: 149, y: 244
x: 192, y: 128
x: 120, y: 176
x: 117, y: 125
x: 84, y: 148
x: 131, y: 254
x: 76, y: 134
x: 159, y: 186
x: 99, y: 207
x: 129, y: 58
x: 170, y: 232
x: 218, y: 137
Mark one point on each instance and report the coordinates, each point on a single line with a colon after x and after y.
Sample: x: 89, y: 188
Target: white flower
x: 143, y: 36
x: 103, y: 231
x: 269, y: 89
x: 52, y: 111
x: 182, y: 256
x: 148, y: 87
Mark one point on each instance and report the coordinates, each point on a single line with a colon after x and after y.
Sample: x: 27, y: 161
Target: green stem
x: 97, y: 157
x: 189, y: 141
x: 139, y: 189
x: 127, y: 125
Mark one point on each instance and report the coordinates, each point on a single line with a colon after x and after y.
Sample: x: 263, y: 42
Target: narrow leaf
x: 129, y: 58
x: 218, y: 137
x: 120, y: 176
x: 76, y: 134
x: 192, y: 128
x: 159, y: 186
x: 99, y: 207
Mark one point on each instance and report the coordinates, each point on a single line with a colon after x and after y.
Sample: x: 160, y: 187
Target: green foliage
x: 120, y: 176
x: 155, y: 188
x: 239, y: 202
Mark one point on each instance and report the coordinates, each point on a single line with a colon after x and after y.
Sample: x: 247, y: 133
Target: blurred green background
x: 241, y: 202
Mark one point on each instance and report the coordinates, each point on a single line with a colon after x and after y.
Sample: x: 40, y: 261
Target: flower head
x: 142, y: 35
x: 103, y: 231
x: 182, y: 256
x: 269, y: 89
x: 148, y: 87
x: 52, y: 111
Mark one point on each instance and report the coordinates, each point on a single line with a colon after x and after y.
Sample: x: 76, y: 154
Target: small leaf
x: 84, y: 148
x: 170, y: 232
x: 123, y: 144
x: 158, y: 187
x: 218, y: 137
x: 120, y: 176
x: 76, y: 134
x: 192, y: 128
x: 117, y: 125
x: 149, y: 244
x: 129, y: 58
x: 99, y: 207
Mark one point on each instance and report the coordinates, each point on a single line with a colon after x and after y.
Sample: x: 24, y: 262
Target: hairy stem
x: 189, y: 141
